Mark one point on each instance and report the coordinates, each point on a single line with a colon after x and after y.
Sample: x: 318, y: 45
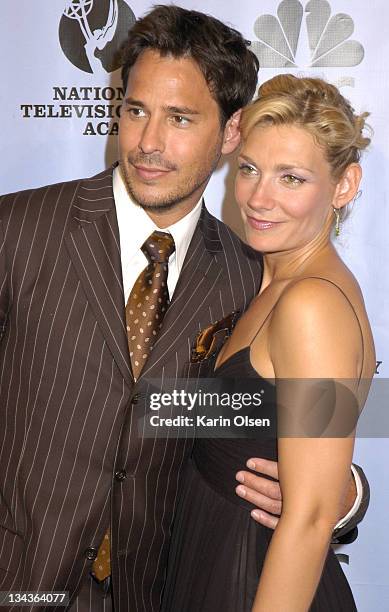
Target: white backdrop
x: 59, y: 106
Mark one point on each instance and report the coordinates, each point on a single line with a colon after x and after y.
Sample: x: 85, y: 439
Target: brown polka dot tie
x: 149, y: 300
x: 145, y: 310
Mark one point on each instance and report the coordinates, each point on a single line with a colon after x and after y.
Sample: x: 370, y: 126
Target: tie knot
x: 158, y: 247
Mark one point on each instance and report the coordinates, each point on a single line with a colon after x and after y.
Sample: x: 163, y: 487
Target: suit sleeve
x: 4, y: 287
x: 349, y: 532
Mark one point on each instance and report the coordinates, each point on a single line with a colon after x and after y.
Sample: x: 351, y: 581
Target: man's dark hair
x: 229, y: 67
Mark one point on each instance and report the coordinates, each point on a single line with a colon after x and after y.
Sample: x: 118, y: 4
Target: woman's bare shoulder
x: 315, y: 330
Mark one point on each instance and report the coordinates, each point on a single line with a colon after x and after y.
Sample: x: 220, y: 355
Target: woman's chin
x: 260, y: 243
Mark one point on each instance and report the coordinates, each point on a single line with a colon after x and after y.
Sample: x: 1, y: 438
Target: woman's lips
x: 262, y: 224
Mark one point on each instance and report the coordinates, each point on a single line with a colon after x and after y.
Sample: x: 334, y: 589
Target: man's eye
x: 180, y: 120
x: 247, y: 169
x: 292, y: 180
x: 136, y: 112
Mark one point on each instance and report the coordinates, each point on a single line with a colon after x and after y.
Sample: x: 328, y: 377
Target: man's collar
x: 132, y: 215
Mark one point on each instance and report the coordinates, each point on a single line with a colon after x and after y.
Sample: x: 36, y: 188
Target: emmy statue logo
x: 100, y: 37
x: 91, y: 33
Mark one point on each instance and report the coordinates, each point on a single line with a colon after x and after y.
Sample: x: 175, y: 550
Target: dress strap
x: 265, y: 319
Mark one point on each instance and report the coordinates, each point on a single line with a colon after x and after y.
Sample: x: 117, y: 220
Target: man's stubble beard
x: 173, y: 199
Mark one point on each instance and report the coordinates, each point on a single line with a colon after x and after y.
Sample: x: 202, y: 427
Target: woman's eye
x: 292, y: 180
x: 247, y: 169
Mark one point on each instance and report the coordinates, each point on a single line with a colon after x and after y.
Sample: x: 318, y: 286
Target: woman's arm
x: 314, y: 335
x: 266, y: 497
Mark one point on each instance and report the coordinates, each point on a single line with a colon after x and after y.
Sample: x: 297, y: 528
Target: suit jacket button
x: 120, y: 475
x: 91, y: 553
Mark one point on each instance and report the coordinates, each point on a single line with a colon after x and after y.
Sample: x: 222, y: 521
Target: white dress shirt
x: 135, y: 226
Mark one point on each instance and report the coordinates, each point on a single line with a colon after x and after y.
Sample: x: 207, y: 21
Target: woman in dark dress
x: 298, y: 168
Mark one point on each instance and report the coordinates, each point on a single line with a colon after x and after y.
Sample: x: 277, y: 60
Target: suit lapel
x: 93, y: 245
x: 199, y: 276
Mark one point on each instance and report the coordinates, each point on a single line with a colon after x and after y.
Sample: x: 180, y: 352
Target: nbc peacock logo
x: 320, y: 40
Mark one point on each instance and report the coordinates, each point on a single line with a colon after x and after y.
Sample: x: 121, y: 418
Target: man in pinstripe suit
x: 72, y: 461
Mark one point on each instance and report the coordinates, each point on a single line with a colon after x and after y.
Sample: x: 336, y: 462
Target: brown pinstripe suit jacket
x: 68, y: 408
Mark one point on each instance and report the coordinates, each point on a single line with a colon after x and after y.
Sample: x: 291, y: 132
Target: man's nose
x: 153, y: 136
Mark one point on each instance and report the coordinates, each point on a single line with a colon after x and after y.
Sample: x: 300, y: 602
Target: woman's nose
x: 262, y: 197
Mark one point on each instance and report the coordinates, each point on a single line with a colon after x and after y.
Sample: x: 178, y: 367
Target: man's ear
x: 348, y: 185
x: 231, y: 137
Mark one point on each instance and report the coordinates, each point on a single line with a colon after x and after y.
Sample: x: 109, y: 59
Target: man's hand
x: 266, y: 494
x: 262, y: 492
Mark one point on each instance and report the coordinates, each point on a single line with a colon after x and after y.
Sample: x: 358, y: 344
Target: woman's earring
x: 337, y: 222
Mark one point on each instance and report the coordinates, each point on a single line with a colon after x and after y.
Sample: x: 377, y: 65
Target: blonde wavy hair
x: 316, y: 106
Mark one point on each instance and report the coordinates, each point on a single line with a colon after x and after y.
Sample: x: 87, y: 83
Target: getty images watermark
x: 202, y: 401
x: 259, y: 408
